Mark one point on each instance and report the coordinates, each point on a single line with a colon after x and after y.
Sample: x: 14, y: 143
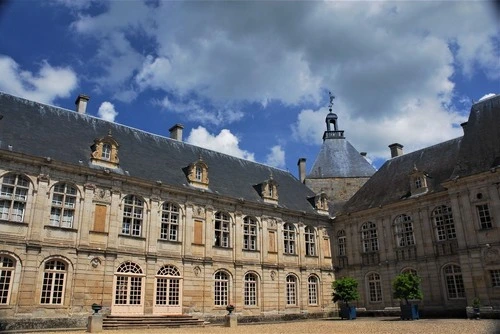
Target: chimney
x: 464, y: 126
x: 81, y: 103
x: 396, y: 150
x: 363, y: 154
x: 302, y: 169
x: 176, y: 132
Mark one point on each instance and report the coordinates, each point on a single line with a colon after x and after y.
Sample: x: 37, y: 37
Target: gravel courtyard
x: 335, y: 326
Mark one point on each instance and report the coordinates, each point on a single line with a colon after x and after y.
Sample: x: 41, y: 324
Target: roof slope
x: 45, y: 131
x: 480, y: 150
x: 391, y: 183
x: 338, y: 158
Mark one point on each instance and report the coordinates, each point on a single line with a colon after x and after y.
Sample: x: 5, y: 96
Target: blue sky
x: 251, y: 79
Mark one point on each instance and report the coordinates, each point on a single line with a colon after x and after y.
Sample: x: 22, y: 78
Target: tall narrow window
x: 222, y: 225
x: 133, y: 208
x: 310, y: 236
x: 341, y: 243
x: 374, y: 287
x: 62, y: 212
x: 291, y: 290
x: 483, y: 212
x: 495, y: 278
x: 312, y: 287
x: 168, y: 286
x: 250, y: 289
x: 106, y: 151
x: 221, y: 290
x: 369, y: 237
x: 443, y: 223
x: 169, y: 222
x: 454, y: 281
x: 198, y: 173
x: 403, y: 228
x: 6, y: 279
x: 13, y: 196
x: 54, y: 280
x: 129, y: 282
x: 249, y: 233
x: 289, y: 238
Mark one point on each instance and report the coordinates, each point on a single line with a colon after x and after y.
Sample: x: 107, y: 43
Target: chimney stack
x: 363, y: 154
x: 396, y: 150
x: 176, y: 132
x: 464, y: 126
x: 81, y: 103
x: 302, y: 169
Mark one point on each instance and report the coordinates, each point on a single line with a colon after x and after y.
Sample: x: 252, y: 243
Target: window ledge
x: 166, y: 241
x: 3, y: 221
x: 251, y: 250
x: 222, y: 247
x: 287, y: 254
x: 98, y: 232
x: 65, y: 229
x: 493, y: 228
x: 312, y: 256
x: 131, y: 237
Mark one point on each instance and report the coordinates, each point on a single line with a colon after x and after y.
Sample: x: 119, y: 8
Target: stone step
x: 146, y: 321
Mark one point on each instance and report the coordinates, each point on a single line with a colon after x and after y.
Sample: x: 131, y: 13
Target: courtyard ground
x: 334, y: 326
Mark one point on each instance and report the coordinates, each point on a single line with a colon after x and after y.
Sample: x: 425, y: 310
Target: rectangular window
x: 100, y: 218
x: 495, y: 278
x: 483, y: 213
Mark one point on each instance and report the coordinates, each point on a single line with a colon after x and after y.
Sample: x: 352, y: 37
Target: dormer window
x: 197, y: 174
x: 105, y: 152
x: 269, y: 191
x: 321, y: 203
x: 418, y: 182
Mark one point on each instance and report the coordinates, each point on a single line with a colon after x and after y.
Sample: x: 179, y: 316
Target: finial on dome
x: 332, y: 97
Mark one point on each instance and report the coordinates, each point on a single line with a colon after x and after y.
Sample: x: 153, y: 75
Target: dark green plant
x: 407, y: 286
x: 476, y: 302
x: 345, y: 289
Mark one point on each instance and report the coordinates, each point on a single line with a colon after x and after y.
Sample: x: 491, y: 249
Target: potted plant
x: 476, y: 304
x: 346, y: 290
x: 230, y: 308
x: 406, y: 287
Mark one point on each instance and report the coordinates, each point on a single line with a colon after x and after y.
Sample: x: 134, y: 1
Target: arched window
x: 403, y: 229
x: 133, y: 208
x: 129, y: 280
x: 289, y: 238
x: 221, y: 289
x: 454, y: 281
x: 444, y: 225
x: 6, y: 278
x: 222, y: 229
x: 310, y: 236
x: 54, y: 282
x: 249, y: 233
x: 106, y: 151
x: 13, y: 197
x: 291, y: 290
x: 62, y: 211
x: 341, y: 243
x: 250, y: 292
x: 374, y: 287
x: 369, y: 237
x: 168, y: 286
x: 169, y: 222
x: 312, y: 287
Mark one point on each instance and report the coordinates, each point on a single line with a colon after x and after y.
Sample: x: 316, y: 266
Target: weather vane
x: 332, y: 97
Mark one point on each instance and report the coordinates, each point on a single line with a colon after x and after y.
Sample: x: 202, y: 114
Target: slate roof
x: 476, y: 152
x: 338, y: 158
x: 41, y: 130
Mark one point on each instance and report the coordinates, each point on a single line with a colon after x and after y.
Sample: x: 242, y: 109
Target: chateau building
x: 434, y: 212
x: 96, y: 212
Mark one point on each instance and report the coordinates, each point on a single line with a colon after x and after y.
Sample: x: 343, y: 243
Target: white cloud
x: 107, y: 111
x: 224, y: 142
x: 487, y: 96
x: 276, y: 157
x: 45, y: 86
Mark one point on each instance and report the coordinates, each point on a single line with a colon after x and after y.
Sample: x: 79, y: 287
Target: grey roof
x: 391, y: 183
x: 41, y: 130
x: 338, y: 158
x: 480, y: 150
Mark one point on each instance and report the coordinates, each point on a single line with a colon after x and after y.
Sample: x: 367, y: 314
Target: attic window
x: 321, y: 203
x: 269, y: 191
x: 105, y: 152
x: 418, y: 182
x: 197, y: 174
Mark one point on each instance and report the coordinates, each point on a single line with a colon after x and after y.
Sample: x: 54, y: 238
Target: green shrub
x: 345, y: 289
x: 407, y: 286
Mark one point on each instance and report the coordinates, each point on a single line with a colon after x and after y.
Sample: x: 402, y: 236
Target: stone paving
x: 334, y: 326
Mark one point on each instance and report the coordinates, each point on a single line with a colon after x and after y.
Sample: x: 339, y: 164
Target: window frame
x: 54, y: 283
x: 291, y: 292
x: 495, y: 278
x: 170, y: 221
x: 454, y: 282
x: 7, y: 278
x: 289, y: 239
x: 62, y: 208
x: 403, y: 231
x: 250, y: 233
x: 310, y: 241
x: 222, y: 229
x: 313, y: 290
x: 16, y: 200
x: 341, y: 243
x: 444, y: 224
x: 374, y: 287
x: 132, y: 216
x: 221, y: 288
x: 484, y: 216
x: 250, y: 289
x: 369, y: 237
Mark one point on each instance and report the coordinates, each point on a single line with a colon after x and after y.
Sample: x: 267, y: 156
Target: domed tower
x: 339, y: 170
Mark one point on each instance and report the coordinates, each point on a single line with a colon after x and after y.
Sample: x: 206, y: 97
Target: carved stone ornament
x: 95, y: 262
x: 43, y: 177
x: 273, y: 275
x: 272, y: 223
x: 103, y: 195
x: 492, y: 256
x: 199, y: 211
x: 197, y: 271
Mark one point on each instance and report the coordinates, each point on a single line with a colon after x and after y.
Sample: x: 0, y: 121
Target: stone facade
x: 338, y: 189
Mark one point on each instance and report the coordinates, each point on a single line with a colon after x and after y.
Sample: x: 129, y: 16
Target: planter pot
x: 347, y: 312
x: 409, y: 312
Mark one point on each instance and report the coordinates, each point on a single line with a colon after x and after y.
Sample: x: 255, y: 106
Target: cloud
x: 487, y: 96
x: 276, y: 157
x: 45, y: 86
x: 224, y: 142
x: 107, y: 111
